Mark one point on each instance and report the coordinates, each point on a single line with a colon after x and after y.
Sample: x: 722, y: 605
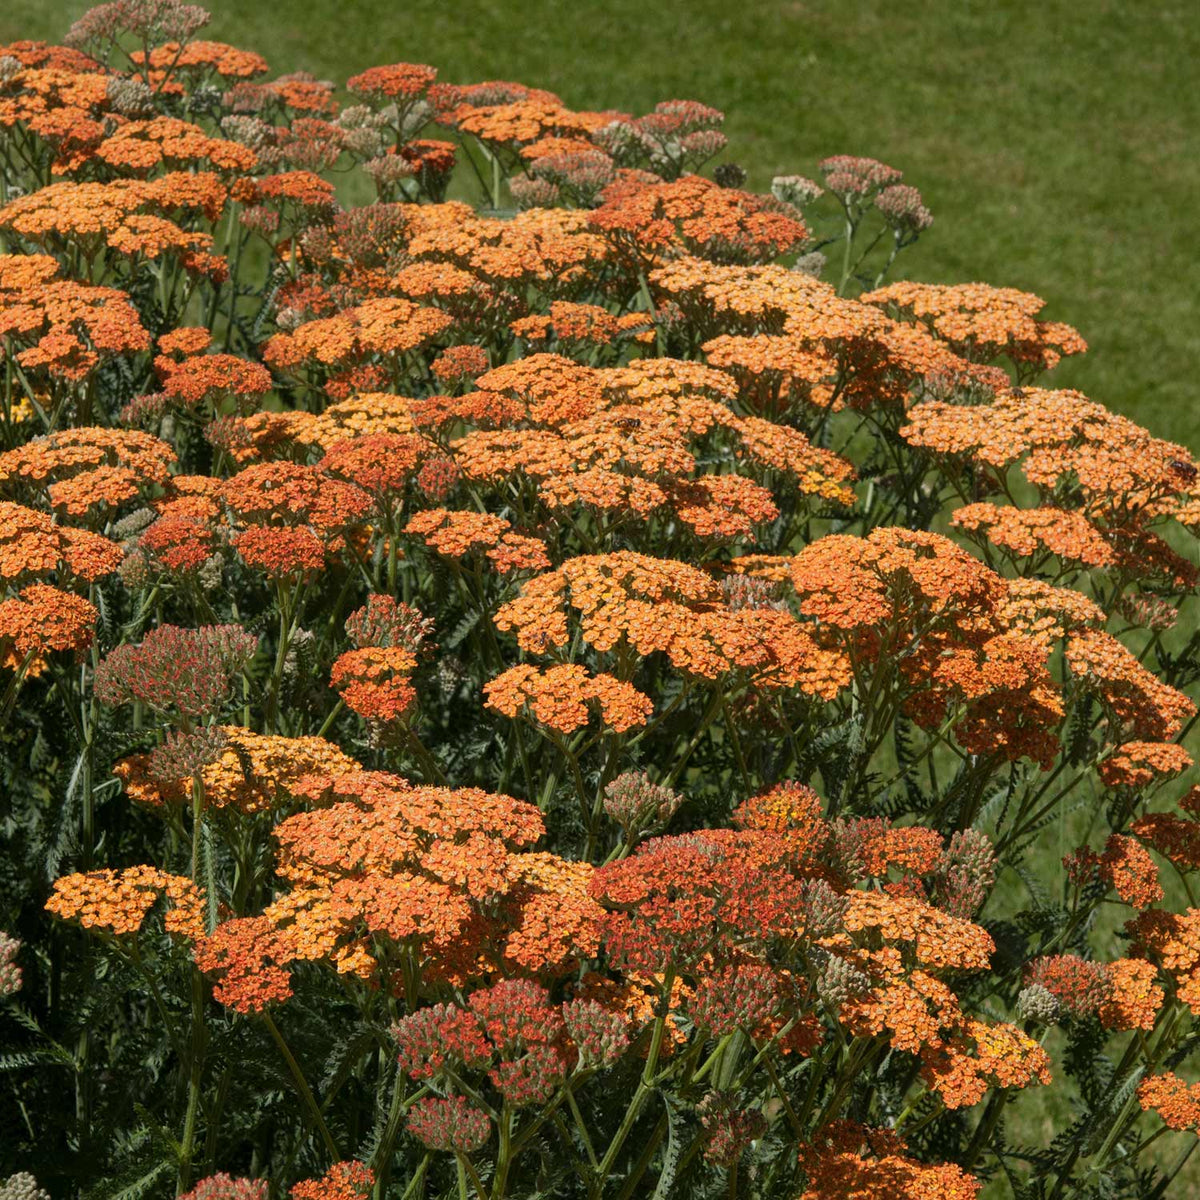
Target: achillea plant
x: 582, y: 693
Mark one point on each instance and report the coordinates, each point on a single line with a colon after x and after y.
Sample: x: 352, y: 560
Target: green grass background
x: 1057, y: 143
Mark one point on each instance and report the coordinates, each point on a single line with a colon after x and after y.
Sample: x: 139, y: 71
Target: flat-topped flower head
x: 118, y: 902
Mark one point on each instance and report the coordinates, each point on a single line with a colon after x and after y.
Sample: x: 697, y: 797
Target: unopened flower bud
x: 841, y: 982
x: 1039, y: 1004
x: 636, y: 804
x: 10, y: 973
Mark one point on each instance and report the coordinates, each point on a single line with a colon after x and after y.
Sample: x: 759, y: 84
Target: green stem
x: 302, y: 1088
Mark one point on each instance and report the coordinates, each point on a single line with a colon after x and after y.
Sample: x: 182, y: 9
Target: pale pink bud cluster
x: 188, y: 670
x: 222, y: 1186
x: 10, y: 973
x: 1151, y: 612
x: 186, y: 754
x: 452, y: 1124
x: 582, y: 176
x: 730, y: 1128
x: 637, y: 805
x: 841, y: 982
x: 22, y: 1186
x: 387, y: 170
x: 823, y: 909
x: 743, y: 997
x: 147, y: 21
x: 599, y: 1035
x: 534, y: 193
x: 384, y: 621
x: 749, y: 592
x: 796, y: 190
x: 902, y: 208
x: 966, y: 873
x: 851, y: 177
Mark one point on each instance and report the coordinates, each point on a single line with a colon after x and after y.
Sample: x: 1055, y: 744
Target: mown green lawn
x: 1057, y: 143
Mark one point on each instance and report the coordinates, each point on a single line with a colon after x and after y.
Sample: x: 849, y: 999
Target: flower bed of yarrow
x: 578, y: 694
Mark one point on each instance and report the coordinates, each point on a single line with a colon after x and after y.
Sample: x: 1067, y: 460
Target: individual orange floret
x: 982, y: 322
x: 198, y: 193
x: 304, y: 189
x: 261, y: 435
x: 298, y: 91
x: 379, y: 463
x: 660, y: 605
x: 254, y: 772
x: 373, y: 681
x: 1013, y: 706
x: 31, y: 544
x: 1152, y: 709
x: 1044, y: 613
x: 546, y: 389
x: 582, y: 326
x: 868, y: 847
x: 416, y: 863
x: 1136, y: 764
x: 522, y: 121
x: 179, y: 543
x: 938, y: 939
x: 140, y: 146
x: 152, y: 236
x: 31, y: 53
x: 723, y: 506
x: 1031, y: 531
x: 850, y: 1162
x: 559, y: 696
x: 460, y: 363
x: 457, y: 534
x: 603, y: 589
x: 813, y: 470
x: 555, y: 923
x: 184, y: 341
x: 791, y: 812
x: 86, y: 211
x: 716, y: 299
x: 914, y: 1012
x: 117, y: 902
x: 550, y: 249
x: 1173, y: 941
x: 40, y: 620
x: 365, y: 413
x: 777, y: 374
